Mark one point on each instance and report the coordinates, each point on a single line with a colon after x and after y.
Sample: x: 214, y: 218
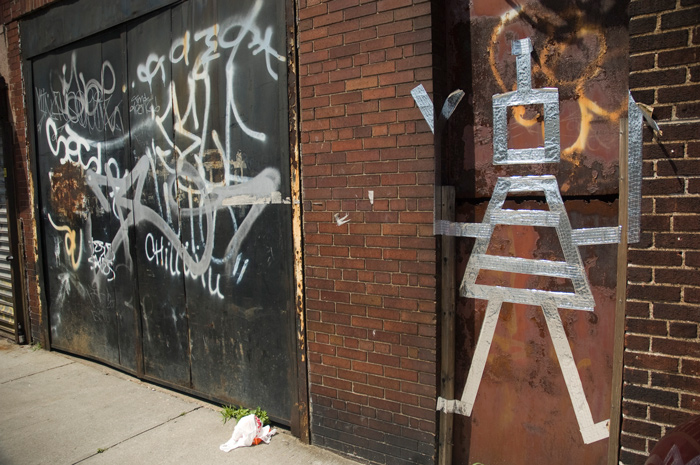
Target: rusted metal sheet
x: 84, y: 18
x: 165, y: 188
x: 580, y: 49
x: 85, y: 319
x: 522, y: 400
x: 535, y: 320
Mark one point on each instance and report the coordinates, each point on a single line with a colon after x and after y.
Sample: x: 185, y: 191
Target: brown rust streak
x: 559, y: 75
x: 67, y: 191
x: 301, y: 426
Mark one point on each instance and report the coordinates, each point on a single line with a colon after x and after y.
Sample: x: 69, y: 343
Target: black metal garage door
x: 164, y: 179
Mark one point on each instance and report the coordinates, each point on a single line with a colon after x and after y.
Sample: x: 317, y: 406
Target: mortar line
x: 137, y: 435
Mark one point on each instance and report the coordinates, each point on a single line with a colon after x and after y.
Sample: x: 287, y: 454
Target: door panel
x: 157, y: 244
x: 536, y: 310
x: 79, y: 108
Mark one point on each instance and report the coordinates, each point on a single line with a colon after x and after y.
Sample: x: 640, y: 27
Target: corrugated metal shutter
x: 8, y: 308
x: 7, y: 312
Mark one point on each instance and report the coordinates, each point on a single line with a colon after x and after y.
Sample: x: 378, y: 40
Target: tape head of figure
x: 548, y: 97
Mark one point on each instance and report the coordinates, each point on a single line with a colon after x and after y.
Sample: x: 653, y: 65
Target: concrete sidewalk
x: 62, y: 410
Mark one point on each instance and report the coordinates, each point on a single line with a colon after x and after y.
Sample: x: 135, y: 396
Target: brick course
x: 662, y: 349
x: 371, y: 282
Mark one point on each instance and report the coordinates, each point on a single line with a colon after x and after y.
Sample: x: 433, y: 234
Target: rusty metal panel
x: 580, y: 49
x: 219, y: 152
x: 184, y: 192
x: 534, y: 157
x: 148, y: 195
x: 66, y: 22
x: 522, y: 400
x: 121, y: 286
x: 75, y: 112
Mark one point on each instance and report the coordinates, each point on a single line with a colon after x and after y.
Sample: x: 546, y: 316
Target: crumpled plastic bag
x: 248, y: 431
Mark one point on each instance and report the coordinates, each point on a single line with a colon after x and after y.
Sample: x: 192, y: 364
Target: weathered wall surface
x: 662, y: 357
x: 370, y: 281
x: 11, y: 10
x: 547, y: 409
x: 163, y: 184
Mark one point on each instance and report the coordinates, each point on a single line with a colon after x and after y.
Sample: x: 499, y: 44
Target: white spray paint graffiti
x: 71, y: 146
x: 217, y: 42
x: 102, y: 258
x: 87, y: 104
x: 164, y: 254
x: 143, y: 105
x: 188, y: 178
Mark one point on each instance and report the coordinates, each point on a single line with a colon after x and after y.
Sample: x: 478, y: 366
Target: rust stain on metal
x: 295, y: 171
x: 571, y: 52
x: 300, y: 418
x: 523, y: 400
x: 68, y: 191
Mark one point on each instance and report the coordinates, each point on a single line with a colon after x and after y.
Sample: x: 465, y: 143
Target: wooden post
x: 447, y: 326
x: 619, y: 334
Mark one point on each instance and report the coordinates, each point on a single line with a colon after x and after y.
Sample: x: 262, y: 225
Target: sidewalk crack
x: 103, y: 450
x: 36, y: 373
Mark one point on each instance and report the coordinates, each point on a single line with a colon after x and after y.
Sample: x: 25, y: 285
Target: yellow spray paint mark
x: 70, y: 244
x: 589, y: 110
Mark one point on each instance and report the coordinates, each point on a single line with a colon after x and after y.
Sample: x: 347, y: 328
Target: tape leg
x: 476, y: 371
x: 591, y: 432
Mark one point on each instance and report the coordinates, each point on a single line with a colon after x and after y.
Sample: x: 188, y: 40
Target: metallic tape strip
x: 552, y: 146
x: 591, y: 236
x: 591, y: 432
x: 550, y: 153
x: 521, y: 47
x: 425, y: 105
x: 500, y: 134
x: 451, y: 103
x: 541, y: 96
x: 582, y: 298
x: 526, y: 95
x: 481, y: 353
x: 448, y: 228
x: 526, y: 266
x: 525, y: 218
x: 451, y: 406
x: 647, y: 112
x: 634, y: 166
x: 523, y: 68
x: 532, y: 183
x: 524, y: 155
x: 529, y: 296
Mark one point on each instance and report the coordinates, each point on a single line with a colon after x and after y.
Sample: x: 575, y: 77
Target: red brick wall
x: 11, y: 11
x: 370, y: 283
x: 662, y: 354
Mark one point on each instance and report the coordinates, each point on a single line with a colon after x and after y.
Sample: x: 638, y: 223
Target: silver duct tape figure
x: 570, y: 239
